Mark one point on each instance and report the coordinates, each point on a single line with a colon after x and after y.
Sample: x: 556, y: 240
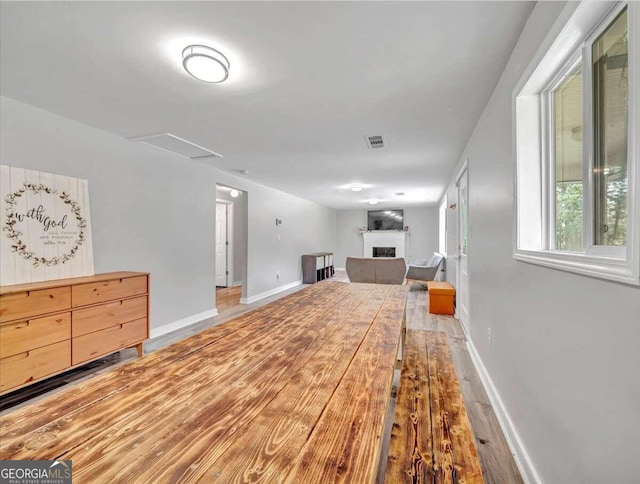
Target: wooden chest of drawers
x: 49, y: 327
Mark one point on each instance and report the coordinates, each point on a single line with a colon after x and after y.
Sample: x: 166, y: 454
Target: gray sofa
x: 376, y: 270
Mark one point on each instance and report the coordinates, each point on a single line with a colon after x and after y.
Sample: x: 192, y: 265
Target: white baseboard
x: 236, y: 284
x: 522, y: 458
x: 271, y: 292
x: 340, y: 269
x: 182, y: 323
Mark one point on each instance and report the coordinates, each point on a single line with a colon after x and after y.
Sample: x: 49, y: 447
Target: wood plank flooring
x: 227, y: 298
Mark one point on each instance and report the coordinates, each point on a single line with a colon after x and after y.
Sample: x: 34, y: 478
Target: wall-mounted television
x: 385, y: 219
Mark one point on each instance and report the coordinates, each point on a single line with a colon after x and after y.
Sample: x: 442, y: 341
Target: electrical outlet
x: 490, y: 337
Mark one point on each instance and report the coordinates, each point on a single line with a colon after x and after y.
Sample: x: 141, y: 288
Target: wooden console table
x: 49, y: 327
x: 296, y: 391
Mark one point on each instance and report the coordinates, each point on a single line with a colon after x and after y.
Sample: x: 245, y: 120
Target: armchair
x: 426, y: 272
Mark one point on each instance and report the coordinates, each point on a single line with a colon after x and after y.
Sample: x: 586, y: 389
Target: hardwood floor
x: 496, y: 460
x: 37, y: 391
x: 227, y: 298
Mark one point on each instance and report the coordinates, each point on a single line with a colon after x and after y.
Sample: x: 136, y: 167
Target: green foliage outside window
x: 616, y: 229
x: 569, y: 216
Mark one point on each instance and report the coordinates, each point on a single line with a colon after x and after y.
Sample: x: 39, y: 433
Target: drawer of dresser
x: 90, y: 346
x: 25, y: 335
x: 26, y: 367
x: 97, y: 292
x: 106, y: 315
x: 23, y: 305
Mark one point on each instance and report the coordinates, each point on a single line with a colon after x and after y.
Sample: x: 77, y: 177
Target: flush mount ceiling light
x: 234, y: 193
x: 373, y: 202
x: 356, y: 187
x: 205, y: 63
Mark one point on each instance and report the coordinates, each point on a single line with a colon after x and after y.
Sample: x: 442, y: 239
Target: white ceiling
x: 308, y: 81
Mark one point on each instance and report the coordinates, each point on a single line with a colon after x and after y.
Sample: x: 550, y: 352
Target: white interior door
x: 221, y: 245
x: 462, y: 299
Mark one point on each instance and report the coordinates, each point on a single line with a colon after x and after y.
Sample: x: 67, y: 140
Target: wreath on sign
x: 19, y: 246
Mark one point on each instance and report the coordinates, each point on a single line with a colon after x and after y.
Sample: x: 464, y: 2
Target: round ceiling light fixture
x: 205, y: 63
x: 373, y: 202
x: 234, y: 193
x: 355, y: 187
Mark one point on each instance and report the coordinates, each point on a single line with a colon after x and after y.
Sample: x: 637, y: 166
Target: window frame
x: 442, y: 226
x: 590, y: 246
x: 569, y: 40
x: 548, y: 161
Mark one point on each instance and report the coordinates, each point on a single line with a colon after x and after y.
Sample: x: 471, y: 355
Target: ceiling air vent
x: 179, y: 146
x: 375, y: 141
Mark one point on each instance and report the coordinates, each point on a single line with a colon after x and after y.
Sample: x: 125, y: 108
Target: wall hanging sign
x: 46, y: 227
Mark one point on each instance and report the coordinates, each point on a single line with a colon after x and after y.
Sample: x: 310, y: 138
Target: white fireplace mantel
x: 383, y: 238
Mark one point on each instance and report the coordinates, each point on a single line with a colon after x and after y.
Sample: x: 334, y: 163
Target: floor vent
x: 375, y: 141
x: 179, y: 146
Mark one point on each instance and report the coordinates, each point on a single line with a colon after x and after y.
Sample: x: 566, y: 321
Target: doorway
x: 230, y: 247
x: 222, y: 244
x: 462, y: 299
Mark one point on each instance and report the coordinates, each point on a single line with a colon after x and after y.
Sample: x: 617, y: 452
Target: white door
x: 462, y: 299
x: 221, y: 244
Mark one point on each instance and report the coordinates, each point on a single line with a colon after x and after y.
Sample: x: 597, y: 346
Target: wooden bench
x: 431, y: 439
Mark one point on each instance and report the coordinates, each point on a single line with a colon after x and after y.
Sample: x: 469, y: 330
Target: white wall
x: 154, y: 211
x: 307, y: 227
x: 350, y: 241
x: 565, y: 353
x: 421, y: 241
x: 150, y: 211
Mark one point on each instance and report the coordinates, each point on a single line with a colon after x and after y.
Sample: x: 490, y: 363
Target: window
x: 610, y: 59
x: 566, y: 137
x: 442, y: 246
x: 577, y: 167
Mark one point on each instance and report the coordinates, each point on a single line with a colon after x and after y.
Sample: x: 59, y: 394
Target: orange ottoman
x: 441, y: 297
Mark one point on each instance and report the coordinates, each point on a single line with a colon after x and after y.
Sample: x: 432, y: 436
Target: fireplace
x: 384, y: 251
x: 383, y: 243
